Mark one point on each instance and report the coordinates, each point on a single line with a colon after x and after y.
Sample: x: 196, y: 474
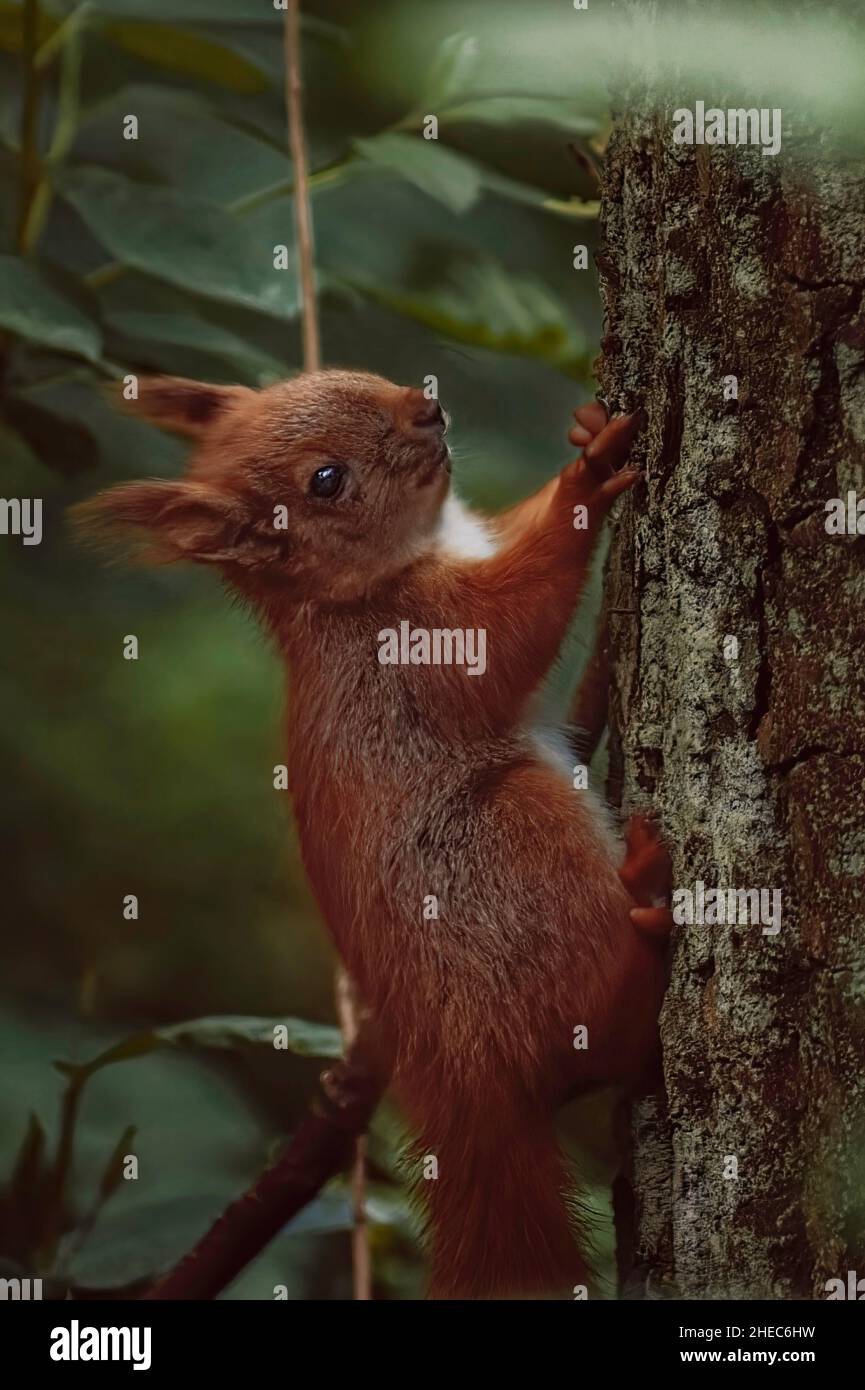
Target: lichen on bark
x: 719, y: 262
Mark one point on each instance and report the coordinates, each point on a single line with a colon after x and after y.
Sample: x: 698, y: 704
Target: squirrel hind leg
x: 646, y: 874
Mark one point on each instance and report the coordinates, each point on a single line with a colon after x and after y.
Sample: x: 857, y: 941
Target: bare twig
x: 302, y: 210
x: 347, y: 1009
x: 319, y: 1148
x: 345, y: 998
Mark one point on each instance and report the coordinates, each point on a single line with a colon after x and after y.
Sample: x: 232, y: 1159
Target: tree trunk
x: 720, y: 262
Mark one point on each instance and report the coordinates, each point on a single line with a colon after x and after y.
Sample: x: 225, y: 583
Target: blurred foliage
x: 154, y: 777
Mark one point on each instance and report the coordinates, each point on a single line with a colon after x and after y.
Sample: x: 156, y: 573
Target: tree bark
x: 719, y: 262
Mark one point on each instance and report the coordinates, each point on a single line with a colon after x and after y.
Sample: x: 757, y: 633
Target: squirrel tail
x: 499, y: 1222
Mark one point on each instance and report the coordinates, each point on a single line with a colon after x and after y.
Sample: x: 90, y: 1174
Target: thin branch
x: 319, y: 1148
x: 110, y: 271
x: 302, y: 211
x: 57, y: 41
x: 347, y: 1009
x: 68, y: 100
x: 345, y: 997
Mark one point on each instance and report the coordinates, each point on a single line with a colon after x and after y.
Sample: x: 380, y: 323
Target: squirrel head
x: 327, y: 483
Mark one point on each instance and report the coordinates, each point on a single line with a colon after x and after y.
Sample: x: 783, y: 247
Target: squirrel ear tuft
x: 166, y: 521
x: 188, y: 407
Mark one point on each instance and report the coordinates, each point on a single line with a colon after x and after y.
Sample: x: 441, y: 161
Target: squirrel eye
x: 327, y: 481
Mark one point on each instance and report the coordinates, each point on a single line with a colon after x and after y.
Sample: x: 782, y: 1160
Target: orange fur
x: 417, y: 781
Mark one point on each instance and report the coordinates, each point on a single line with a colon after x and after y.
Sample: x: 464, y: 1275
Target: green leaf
x: 514, y: 111
x: 488, y: 307
x: 31, y: 308
x: 183, y: 51
x: 452, y: 70
x: 188, y: 242
x: 450, y: 178
x: 147, y: 335
x: 257, y: 12
x: 332, y: 1210
x: 140, y: 1241
x: 112, y: 1175
x: 305, y: 1039
x: 229, y: 1033
x: 186, y: 52
x: 534, y: 197
x: 196, y: 148
x: 584, y: 209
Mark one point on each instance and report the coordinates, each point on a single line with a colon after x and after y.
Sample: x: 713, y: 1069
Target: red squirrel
x: 484, y: 907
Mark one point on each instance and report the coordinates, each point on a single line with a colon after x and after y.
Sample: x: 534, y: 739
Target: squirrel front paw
x: 597, y: 477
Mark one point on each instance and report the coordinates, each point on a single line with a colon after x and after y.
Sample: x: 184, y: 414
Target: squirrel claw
x: 606, y: 453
